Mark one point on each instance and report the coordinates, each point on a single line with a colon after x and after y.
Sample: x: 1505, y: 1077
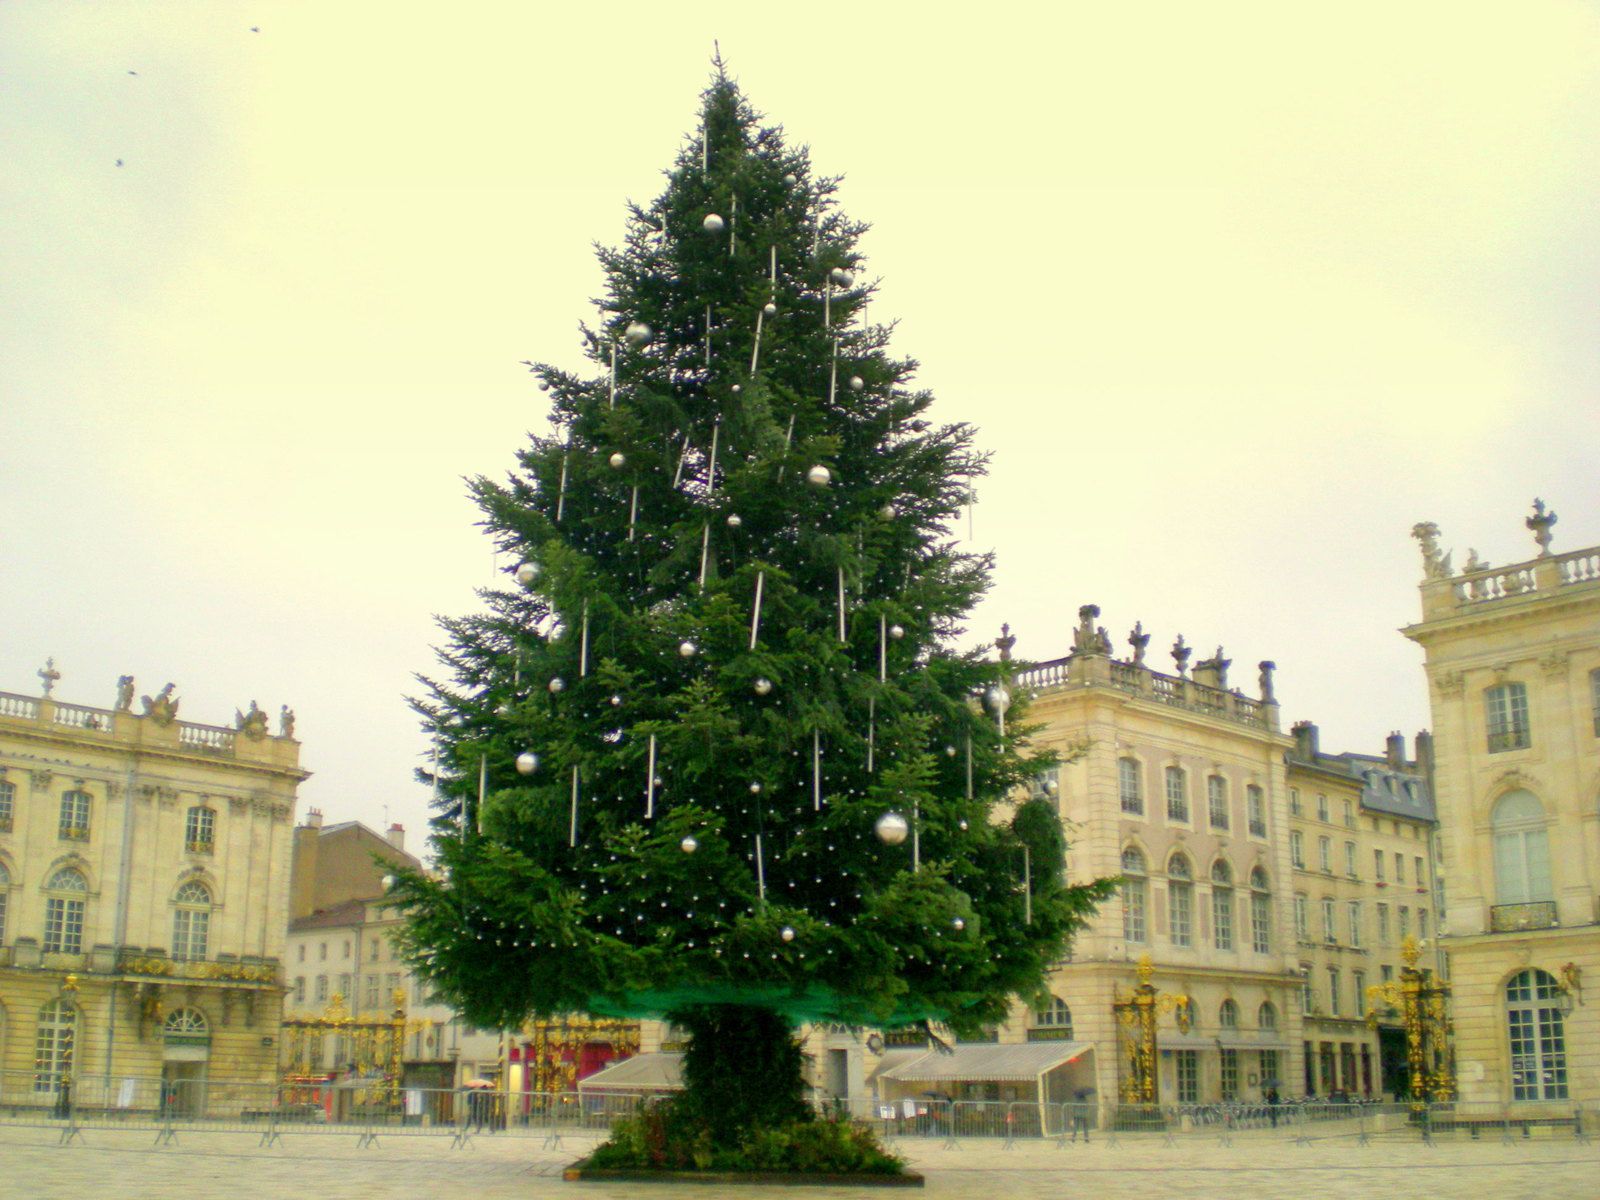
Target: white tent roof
x: 642, y: 1072
x: 1024, y: 1061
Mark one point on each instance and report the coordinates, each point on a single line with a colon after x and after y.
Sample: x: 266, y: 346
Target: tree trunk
x: 741, y: 1069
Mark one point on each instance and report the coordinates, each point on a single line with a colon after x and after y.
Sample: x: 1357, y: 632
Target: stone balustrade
x: 124, y: 727
x: 1536, y: 576
x: 1139, y: 680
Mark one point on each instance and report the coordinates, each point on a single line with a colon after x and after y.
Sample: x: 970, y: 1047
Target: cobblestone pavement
x: 112, y: 1164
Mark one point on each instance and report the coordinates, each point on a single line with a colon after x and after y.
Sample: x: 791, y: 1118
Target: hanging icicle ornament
x: 857, y: 383
x: 557, y: 684
x: 689, y: 845
x: 787, y: 933
x: 713, y: 223
x: 527, y: 762
x: 527, y: 573
x: 819, y: 476
x: 763, y: 686
x: 687, y: 649
x: 638, y: 333
x: 892, y: 829
x: 618, y: 460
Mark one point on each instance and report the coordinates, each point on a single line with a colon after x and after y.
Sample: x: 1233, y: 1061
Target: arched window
x: 1538, y: 1037
x: 75, y: 815
x: 187, y: 1025
x: 1228, y: 1015
x: 1222, y: 905
x: 1267, y: 1015
x: 53, y: 1045
x: 1260, y: 912
x: 1180, y: 901
x: 200, y: 830
x: 1521, y: 850
x: 5, y: 888
x: 1135, y: 893
x: 1053, y: 1022
x: 8, y: 804
x: 64, y: 912
x: 191, y: 920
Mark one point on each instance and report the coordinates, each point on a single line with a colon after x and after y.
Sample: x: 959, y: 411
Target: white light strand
x: 733, y: 228
x: 583, y: 643
x: 833, y: 374
x: 755, y: 614
x: 708, y: 335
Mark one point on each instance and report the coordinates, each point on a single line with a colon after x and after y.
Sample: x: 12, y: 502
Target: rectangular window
x: 1269, y: 1068
x: 1354, y: 911
x: 1329, y: 933
x: 1418, y: 875
x: 393, y: 980
x: 302, y: 952
x: 1349, y: 815
x: 1386, y: 973
x: 75, y: 816
x: 1359, y: 978
x: 1133, y: 894
x: 1294, y: 802
x: 373, y: 954
x: 322, y: 988
x: 1350, y: 859
x: 1308, y: 993
x: 1325, y: 855
x: 1405, y: 922
x: 299, y: 989
x: 1377, y: 865
x: 1217, y: 801
x: 1222, y: 917
x: 1256, y: 802
x: 1422, y: 923
x: 344, y: 988
x: 1322, y: 807
x: 8, y: 801
x: 347, y: 947
x: 1130, y: 787
x: 1180, y: 905
x: 1506, y: 711
x: 1333, y: 991
x: 1177, y: 795
x: 1297, y: 848
x: 1230, y: 1073
x: 200, y: 830
x: 1260, y: 923
x: 1300, y: 918
x: 1187, y: 1063
x: 1399, y: 867
x: 63, y: 926
x: 372, y: 991
x: 322, y: 951
x: 1383, y: 924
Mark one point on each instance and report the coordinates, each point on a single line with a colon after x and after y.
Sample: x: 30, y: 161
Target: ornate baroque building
x: 1513, y: 666
x: 144, y: 873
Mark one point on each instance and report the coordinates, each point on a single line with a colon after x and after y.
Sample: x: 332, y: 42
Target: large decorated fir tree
x: 710, y: 754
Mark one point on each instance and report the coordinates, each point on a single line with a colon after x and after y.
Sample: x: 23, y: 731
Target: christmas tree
x: 710, y: 754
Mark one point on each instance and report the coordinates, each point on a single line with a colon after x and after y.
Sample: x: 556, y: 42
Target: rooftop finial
x: 49, y: 674
x: 1004, y: 642
x: 1435, y: 564
x: 1540, y: 522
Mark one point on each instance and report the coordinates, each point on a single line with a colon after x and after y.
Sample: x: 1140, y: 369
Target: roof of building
x: 351, y: 912
x: 642, y: 1072
x: 1024, y: 1061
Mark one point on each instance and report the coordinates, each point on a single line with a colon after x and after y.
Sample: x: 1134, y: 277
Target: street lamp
x: 1423, y: 1001
x: 1137, y: 1017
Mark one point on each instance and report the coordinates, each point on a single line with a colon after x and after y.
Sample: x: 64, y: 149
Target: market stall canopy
x: 1022, y: 1062
x: 661, y: 1072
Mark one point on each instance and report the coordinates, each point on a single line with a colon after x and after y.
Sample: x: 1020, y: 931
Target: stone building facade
x: 1513, y: 667
x: 144, y: 871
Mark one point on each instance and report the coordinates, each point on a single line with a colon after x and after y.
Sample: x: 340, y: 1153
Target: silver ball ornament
x: 755, y: 789
x: 638, y: 333
x: 841, y: 277
x: 888, y: 512
x: 763, y: 686
x: 787, y: 934
x: 388, y: 882
x: 687, y: 649
x: 949, y: 751
x: 819, y: 476
x: 958, y: 924
x: 770, y: 309
x: 616, y: 701
x: 618, y: 459
x: 791, y: 179
x: 735, y: 520
x: 557, y: 684
x: 962, y: 824
x: 897, y: 632
x: 892, y: 829
x: 527, y: 572
x: 527, y: 762
x: 689, y: 845
x: 544, y: 385
x: 713, y: 223
x: 998, y: 698
x: 857, y: 383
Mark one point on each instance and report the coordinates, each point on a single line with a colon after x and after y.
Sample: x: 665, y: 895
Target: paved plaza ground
x: 112, y: 1164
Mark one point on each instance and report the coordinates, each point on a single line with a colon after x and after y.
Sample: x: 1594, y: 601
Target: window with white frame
x: 321, y: 992
x: 1228, y: 1014
x: 1377, y: 865
x: 1180, y: 901
x: 1256, y: 804
x: 1130, y: 786
x: 1294, y: 802
x: 1538, y: 1037
x: 1053, y: 1022
x: 8, y: 804
x: 1422, y: 923
x: 1505, y: 709
x: 1329, y: 933
x: 1187, y: 1064
x: 1229, y: 1076
x: 1135, y: 893
x: 1177, y: 794
x: 299, y: 989
x: 1260, y: 913
x: 1217, y: 801
x: 1353, y: 911
x: 1521, y: 849
x: 54, y: 1042
x: 1222, y: 905
x: 65, y: 899
x: 1267, y: 1015
x: 1383, y: 923
x: 1349, y: 815
x: 1325, y: 855
x: 1300, y: 921
x: 200, y: 830
x: 1322, y: 806
x: 1399, y: 867
x: 1350, y: 859
x: 191, y: 921
x: 1333, y: 991
x: 1297, y: 848
x: 1405, y: 922
x: 74, y: 825
x: 1359, y: 980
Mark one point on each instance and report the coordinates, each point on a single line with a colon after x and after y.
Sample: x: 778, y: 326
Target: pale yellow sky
x: 1237, y: 294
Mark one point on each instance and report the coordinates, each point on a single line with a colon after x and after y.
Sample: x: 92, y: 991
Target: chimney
x: 396, y: 836
x: 1305, y: 740
x: 313, y: 818
x: 1395, y: 751
x: 1424, y: 751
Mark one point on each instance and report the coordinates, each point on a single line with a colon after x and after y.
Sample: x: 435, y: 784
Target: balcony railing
x: 1511, y: 918
x: 1139, y: 680
x: 199, y: 845
x: 1509, y: 739
x: 74, y: 833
